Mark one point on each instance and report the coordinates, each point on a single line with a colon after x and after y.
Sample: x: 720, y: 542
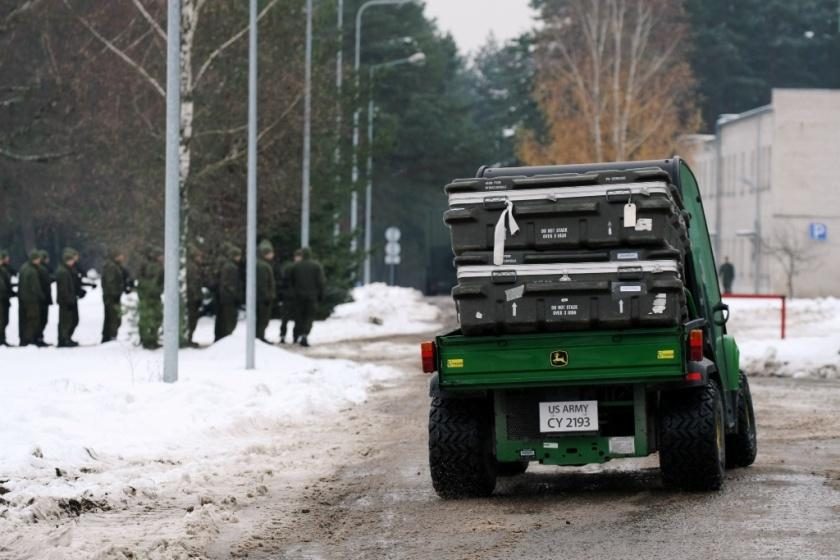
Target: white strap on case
x: 501, y: 233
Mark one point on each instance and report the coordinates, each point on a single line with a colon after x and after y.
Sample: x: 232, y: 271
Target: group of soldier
x: 300, y: 287
x: 34, y: 293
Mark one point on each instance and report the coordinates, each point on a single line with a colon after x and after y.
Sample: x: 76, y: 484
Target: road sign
x: 818, y: 231
x: 393, y: 234
x: 393, y: 250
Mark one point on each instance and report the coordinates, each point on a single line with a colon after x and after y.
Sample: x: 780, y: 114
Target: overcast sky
x: 470, y: 21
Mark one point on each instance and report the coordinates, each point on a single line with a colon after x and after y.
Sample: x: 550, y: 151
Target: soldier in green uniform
x: 149, y: 305
x: 306, y: 279
x: 7, y: 292
x: 228, y: 292
x: 266, y: 288
x: 286, y: 297
x: 31, y: 299
x: 46, y: 277
x: 195, y: 295
x: 66, y: 295
x: 114, y: 283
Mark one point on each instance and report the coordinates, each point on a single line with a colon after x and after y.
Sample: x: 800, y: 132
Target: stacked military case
x: 568, y: 252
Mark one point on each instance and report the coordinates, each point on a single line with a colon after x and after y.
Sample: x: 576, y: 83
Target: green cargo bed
x: 592, y: 357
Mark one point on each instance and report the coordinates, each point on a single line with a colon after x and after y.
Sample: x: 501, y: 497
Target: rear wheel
x: 741, y: 447
x: 461, y: 457
x: 692, y: 451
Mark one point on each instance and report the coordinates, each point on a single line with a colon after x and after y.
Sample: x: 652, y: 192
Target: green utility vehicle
x: 571, y: 398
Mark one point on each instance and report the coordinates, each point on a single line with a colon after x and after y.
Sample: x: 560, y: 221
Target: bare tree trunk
x: 618, y: 9
x: 190, y: 78
x: 190, y: 10
x: 595, y: 33
x: 791, y: 274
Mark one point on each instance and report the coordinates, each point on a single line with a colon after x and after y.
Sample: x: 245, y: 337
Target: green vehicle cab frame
x: 620, y: 393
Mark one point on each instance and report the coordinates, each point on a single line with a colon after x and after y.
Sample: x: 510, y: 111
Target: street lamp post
x: 354, y: 197
x: 172, y: 229
x: 339, y: 84
x: 307, y: 131
x: 417, y: 59
x: 251, y: 234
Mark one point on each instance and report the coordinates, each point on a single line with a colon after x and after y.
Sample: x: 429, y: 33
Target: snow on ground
x: 97, y: 423
x: 377, y: 310
x: 810, y: 349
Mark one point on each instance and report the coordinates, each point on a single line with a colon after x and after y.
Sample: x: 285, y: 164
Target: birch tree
x: 133, y: 50
x: 612, y: 81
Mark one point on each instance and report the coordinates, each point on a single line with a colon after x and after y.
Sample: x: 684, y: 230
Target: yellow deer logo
x: 559, y: 358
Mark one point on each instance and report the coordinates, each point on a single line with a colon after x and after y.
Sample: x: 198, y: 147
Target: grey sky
x: 470, y: 21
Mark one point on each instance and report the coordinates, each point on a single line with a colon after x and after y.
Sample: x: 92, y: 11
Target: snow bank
x: 811, y: 348
x: 378, y: 310
x: 97, y: 420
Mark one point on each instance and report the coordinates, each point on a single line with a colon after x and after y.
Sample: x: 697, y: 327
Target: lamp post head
x: 417, y: 59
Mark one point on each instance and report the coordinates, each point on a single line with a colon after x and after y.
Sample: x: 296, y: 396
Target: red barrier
x: 765, y: 296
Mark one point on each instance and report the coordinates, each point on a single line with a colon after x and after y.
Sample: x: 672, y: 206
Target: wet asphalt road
x: 378, y: 502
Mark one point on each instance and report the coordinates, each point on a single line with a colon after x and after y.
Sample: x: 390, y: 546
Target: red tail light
x: 695, y: 345
x: 694, y: 376
x: 428, y: 354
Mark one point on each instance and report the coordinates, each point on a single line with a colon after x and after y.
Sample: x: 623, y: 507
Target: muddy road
x: 377, y: 501
x: 355, y: 485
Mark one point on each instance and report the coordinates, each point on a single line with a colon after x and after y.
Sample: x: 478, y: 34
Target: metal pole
x: 251, y: 259
x: 339, y: 83
x: 307, y: 131
x: 354, y: 197
x: 369, y: 188
x: 172, y: 233
x: 354, y: 176
x: 719, y: 186
x: 758, y: 241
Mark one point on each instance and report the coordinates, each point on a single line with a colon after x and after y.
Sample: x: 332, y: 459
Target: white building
x: 776, y: 191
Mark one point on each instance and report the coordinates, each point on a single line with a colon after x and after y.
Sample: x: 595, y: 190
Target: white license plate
x: 569, y: 416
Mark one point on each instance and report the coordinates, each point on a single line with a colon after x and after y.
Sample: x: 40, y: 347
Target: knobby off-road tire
x: 461, y: 457
x: 692, y: 450
x: 741, y: 447
x: 511, y: 469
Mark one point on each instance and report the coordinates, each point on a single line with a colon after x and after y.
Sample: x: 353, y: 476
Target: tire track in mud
x: 378, y: 503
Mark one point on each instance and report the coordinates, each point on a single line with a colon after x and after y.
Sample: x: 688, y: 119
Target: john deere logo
x: 559, y: 358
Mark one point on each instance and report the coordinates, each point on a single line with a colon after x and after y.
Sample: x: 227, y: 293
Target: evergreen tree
x: 740, y: 50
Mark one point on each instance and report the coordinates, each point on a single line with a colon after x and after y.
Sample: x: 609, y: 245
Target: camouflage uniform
x: 6, y: 294
x: 31, y: 299
x: 266, y: 288
x: 115, y: 281
x: 228, y: 293
x: 149, y: 305
x: 306, y: 279
x: 68, y: 287
x: 287, y: 300
x: 195, y: 295
x: 46, y: 277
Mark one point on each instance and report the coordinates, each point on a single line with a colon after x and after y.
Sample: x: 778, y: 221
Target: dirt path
x: 378, y: 502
